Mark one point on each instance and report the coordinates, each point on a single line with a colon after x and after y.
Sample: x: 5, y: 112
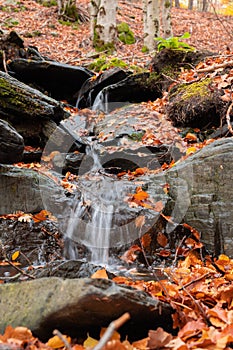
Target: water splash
x: 101, y: 101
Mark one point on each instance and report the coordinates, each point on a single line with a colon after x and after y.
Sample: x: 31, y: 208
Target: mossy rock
x: 195, y: 104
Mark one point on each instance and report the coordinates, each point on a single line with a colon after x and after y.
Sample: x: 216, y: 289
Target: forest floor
x: 201, y: 290
x: 39, y: 26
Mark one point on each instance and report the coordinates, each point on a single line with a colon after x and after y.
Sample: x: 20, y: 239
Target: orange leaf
x: 158, y: 338
x: 115, y: 335
x: 140, y: 171
x: 141, y: 195
x: 190, y: 137
x: 56, y: 343
x: 41, y: 216
x: 100, y: 274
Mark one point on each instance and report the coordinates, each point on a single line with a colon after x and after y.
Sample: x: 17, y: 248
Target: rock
x: 11, y: 144
x: 91, y: 88
x: 61, y: 81
x: 133, y: 89
x: 29, y: 191
x: 76, y: 306
x: 200, y: 194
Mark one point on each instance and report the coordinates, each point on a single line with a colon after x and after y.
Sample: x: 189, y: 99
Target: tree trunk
x: 93, y: 10
x: 166, y: 18
x: 151, y: 23
x: 205, y: 5
x: 104, y: 19
x: 190, y: 5
x: 177, y: 3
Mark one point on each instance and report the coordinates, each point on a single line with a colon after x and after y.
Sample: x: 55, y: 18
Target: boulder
x: 78, y: 306
x: 11, y: 144
x: 91, y: 88
x: 61, y: 81
x: 200, y: 194
x: 30, y: 191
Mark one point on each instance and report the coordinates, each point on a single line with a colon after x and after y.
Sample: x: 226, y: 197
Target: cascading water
x: 101, y: 101
x: 91, y: 221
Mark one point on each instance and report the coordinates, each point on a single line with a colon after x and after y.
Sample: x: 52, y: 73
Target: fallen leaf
x: 100, y: 274
x: 161, y: 239
x: 56, y: 342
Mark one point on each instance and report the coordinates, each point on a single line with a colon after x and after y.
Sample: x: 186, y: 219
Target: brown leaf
x: 158, y: 338
x: 146, y: 240
x: 162, y: 239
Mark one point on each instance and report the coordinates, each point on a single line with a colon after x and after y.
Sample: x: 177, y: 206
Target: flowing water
x: 91, y: 221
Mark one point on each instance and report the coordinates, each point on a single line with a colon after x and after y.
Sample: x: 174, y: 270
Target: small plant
x: 174, y: 43
x: 11, y: 22
x: 103, y: 63
x: 125, y: 34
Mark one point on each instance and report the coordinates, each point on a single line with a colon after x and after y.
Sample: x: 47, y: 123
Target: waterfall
x: 91, y: 220
x: 101, y: 101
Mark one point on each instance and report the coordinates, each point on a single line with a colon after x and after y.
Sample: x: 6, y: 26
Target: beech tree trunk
x: 103, y: 13
x: 93, y: 10
x: 151, y: 23
x: 166, y: 18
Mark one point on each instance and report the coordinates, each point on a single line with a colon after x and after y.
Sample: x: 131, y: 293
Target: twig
x: 228, y: 118
x: 20, y: 270
x: 63, y: 339
x: 215, y: 66
x: 113, y: 326
x: 207, y: 274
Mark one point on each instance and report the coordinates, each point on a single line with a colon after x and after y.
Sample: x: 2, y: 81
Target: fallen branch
x: 19, y: 270
x: 215, y: 66
x: 114, y: 325
x: 228, y: 118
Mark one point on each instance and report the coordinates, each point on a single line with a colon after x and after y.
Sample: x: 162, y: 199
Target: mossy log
x: 27, y: 109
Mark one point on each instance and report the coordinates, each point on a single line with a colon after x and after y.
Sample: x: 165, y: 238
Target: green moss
x: 137, y: 136
x: 145, y: 49
x: 125, y: 34
x: 103, y: 63
x: 197, y: 89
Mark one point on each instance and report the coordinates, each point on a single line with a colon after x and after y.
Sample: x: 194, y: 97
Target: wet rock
x: 11, y: 144
x: 78, y: 305
x: 60, y: 81
x: 200, y: 194
x: 91, y: 87
x: 133, y: 89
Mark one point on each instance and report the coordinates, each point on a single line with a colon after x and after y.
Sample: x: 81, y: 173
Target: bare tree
x: 151, y: 22
x: 166, y: 18
x: 103, y: 23
x: 68, y: 10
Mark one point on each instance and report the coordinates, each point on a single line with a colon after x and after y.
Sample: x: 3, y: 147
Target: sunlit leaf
x: 56, y: 342
x: 158, y: 338
x: 15, y: 255
x: 100, y: 274
x: 141, y: 195
x: 90, y: 342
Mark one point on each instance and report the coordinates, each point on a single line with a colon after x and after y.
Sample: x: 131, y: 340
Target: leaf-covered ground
x: 199, y: 288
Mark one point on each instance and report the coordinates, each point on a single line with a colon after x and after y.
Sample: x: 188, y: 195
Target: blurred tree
x: 103, y: 23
